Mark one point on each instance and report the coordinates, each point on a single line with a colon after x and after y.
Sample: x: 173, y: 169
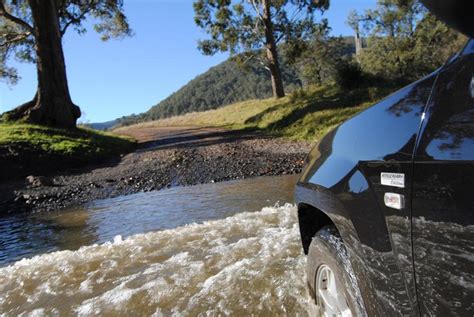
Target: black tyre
x: 330, y: 276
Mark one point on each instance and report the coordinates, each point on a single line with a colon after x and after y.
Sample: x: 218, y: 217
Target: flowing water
x: 204, y: 250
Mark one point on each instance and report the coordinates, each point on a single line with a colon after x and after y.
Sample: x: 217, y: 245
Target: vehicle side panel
x: 443, y: 195
x: 342, y: 179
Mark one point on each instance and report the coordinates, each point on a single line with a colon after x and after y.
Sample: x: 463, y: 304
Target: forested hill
x: 221, y: 85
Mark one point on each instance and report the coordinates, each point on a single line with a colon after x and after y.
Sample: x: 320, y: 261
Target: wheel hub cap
x: 330, y: 298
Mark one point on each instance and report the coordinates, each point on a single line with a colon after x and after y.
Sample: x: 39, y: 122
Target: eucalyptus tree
x: 320, y: 60
x: 32, y: 31
x: 249, y: 27
x: 404, y: 40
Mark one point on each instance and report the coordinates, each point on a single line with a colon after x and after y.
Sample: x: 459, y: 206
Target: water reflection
x: 27, y: 235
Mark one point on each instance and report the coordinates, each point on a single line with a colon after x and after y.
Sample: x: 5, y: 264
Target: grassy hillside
x: 225, y: 84
x: 221, y: 85
x: 31, y: 149
x: 305, y: 114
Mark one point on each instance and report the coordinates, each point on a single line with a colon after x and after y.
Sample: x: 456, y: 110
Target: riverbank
x: 219, y: 146
x: 27, y: 149
x: 165, y: 157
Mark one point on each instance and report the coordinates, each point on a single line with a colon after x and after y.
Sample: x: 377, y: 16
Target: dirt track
x: 165, y: 157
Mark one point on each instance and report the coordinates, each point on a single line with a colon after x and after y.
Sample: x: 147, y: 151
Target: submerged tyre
x: 330, y: 276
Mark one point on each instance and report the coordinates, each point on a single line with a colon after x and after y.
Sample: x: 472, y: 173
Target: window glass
x: 449, y: 134
x: 469, y: 49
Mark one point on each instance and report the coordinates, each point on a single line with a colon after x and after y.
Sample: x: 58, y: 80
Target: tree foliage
x: 17, y: 38
x: 404, y: 41
x: 237, y: 26
x: 256, y: 27
x: 319, y: 61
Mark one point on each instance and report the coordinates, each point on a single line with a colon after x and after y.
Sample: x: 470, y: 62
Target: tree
x: 248, y: 26
x: 32, y: 31
x: 319, y: 60
x: 405, y: 42
x: 435, y: 43
x: 354, y: 22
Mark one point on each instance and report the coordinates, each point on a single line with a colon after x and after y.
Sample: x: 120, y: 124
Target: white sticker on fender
x: 393, y: 179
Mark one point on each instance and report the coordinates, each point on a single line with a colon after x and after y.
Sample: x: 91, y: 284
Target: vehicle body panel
x: 455, y: 13
x: 342, y: 179
x: 443, y: 194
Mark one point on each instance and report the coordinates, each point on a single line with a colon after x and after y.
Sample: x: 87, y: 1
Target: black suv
x: 386, y: 202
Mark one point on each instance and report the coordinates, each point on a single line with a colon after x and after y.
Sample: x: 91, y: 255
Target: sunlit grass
x: 80, y: 143
x: 304, y: 114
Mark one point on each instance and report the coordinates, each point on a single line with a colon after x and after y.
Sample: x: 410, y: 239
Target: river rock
x: 155, y: 169
x: 39, y: 181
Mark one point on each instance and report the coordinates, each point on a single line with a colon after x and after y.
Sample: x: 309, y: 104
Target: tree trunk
x: 358, y: 43
x: 52, y: 104
x: 272, y: 54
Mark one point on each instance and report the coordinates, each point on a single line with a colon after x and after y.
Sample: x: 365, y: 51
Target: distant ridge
x: 221, y: 85
x: 103, y: 126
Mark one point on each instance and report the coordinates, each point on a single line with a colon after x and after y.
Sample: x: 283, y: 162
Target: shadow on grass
x: 196, y: 138
x: 304, y: 103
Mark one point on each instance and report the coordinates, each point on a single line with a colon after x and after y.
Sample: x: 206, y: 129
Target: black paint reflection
x: 345, y: 168
x: 430, y: 240
x: 443, y: 196
x: 455, y: 139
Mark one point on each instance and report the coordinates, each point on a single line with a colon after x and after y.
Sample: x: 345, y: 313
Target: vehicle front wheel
x: 330, y: 276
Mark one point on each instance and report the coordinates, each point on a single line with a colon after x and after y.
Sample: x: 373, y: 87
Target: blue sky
x: 117, y: 78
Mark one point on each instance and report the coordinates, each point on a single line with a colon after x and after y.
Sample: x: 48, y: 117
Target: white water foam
x: 250, y: 264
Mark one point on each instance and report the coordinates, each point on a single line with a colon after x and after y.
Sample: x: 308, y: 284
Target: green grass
x: 81, y: 145
x: 304, y: 115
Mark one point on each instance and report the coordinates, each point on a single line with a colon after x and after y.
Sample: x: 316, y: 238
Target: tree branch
x: 74, y: 20
x: 279, y: 38
x: 296, y: 14
x: 249, y: 58
x: 4, y: 13
x: 18, y: 38
x: 257, y: 11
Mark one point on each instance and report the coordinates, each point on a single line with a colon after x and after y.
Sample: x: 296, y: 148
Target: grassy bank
x: 31, y: 149
x: 305, y: 114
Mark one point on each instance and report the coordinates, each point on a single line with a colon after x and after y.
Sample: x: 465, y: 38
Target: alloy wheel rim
x: 331, y: 299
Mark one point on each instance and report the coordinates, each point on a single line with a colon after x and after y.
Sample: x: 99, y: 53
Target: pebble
x: 166, y: 168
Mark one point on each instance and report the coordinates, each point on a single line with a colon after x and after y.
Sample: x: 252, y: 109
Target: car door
x: 443, y: 194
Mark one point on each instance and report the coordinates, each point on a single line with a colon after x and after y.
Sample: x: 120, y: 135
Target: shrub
x: 349, y: 75
x: 298, y: 94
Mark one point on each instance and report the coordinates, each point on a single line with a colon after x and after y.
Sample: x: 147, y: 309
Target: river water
x: 216, y: 249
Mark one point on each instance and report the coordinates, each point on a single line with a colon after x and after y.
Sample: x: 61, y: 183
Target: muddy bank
x: 165, y: 158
